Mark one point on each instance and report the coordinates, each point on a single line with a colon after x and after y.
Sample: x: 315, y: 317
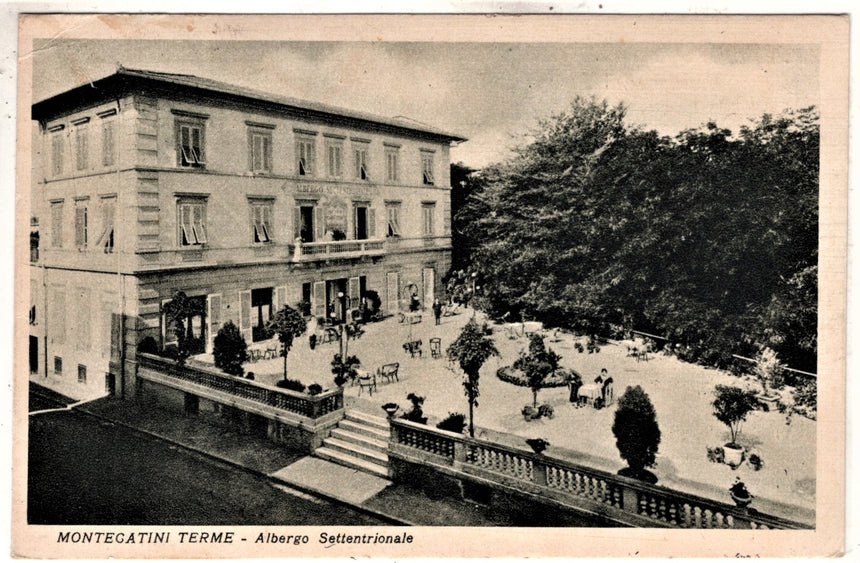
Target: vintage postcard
x: 430, y: 286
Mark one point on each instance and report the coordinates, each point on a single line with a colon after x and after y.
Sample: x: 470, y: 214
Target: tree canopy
x: 710, y: 238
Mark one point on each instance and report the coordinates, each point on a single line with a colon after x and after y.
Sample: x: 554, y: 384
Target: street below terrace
x: 681, y: 394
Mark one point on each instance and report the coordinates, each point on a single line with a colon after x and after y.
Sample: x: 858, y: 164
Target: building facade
x: 150, y: 183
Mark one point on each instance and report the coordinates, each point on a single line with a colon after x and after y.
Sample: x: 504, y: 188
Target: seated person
x: 603, y: 375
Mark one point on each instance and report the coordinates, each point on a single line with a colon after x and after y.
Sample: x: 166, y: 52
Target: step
x: 378, y: 422
x: 347, y: 460
x: 359, y: 428
x: 355, y: 450
x: 360, y: 440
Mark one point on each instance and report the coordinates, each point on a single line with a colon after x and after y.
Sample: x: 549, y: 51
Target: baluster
x: 718, y: 520
x: 673, y: 514
x: 697, y: 517
x: 686, y: 515
x: 662, y: 510
x: 708, y: 515
x: 617, y: 498
x: 643, y: 504
x: 730, y: 521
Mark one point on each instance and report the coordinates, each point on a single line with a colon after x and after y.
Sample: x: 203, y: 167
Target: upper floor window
x: 334, y: 158
x: 57, y: 141
x: 427, y: 168
x: 392, y: 164
x: 108, y: 142
x: 428, y: 210
x: 82, y: 138
x: 261, y: 220
x: 361, y: 162
x: 192, y: 222
x: 305, y: 154
x: 57, y: 224
x: 81, y: 222
x: 106, y: 238
x: 392, y: 211
x: 190, y: 145
x: 259, y: 148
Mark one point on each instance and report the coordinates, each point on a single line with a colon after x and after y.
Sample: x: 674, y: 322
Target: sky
x: 491, y: 93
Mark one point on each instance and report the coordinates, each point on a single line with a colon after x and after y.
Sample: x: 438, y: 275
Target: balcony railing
x: 310, y: 251
x: 310, y: 406
x: 624, y: 500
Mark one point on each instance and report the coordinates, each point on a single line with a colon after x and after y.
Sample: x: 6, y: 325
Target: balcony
x: 317, y: 251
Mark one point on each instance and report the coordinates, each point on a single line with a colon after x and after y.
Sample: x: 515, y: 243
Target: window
x: 34, y: 246
x: 108, y: 146
x: 57, y: 224
x: 58, y: 365
x: 81, y: 222
x: 428, y: 210
x: 82, y: 373
x: 105, y: 240
x: 261, y: 220
x: 334, y: 157
x: 57, y: 153
x: 261, y: 313
x: 392, y: 164
x: 192, y: 223
x: 392, y: 211
x: 81, y: 147
x: 427, y: 167
x: 305, y: 222
x: 260, y: 150
x: 190, y: 145
x: 305, y: 156
x: 364, y: 221
x: 361, y: 163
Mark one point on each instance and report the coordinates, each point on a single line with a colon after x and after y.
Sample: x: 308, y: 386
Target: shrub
x: 732, y: 405
x: 637, y: 434
x: 769, y: 371
x: 291, y: 384
x: 315, y: 389
x: 454, y: 422
x: 344, y: 370
x: 417, y: 413
x: 756, y: 461
x: 530, y: 413
x: 546, y: 410
x: 716, y: 455
x: 806, y: 398
x: 230, y: 349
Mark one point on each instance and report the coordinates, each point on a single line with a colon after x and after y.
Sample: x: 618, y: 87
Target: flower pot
x: 741, y: 502
x: 390, y: 410
x: 538, y: 445
x: 734, y: 455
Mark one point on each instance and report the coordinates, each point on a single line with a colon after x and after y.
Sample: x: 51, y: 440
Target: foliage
x: 716, y: 455
x: 454, y: 422
x: 344, y: 370
x: 530, y: 413
x: 709, y: 238
x: 538, y: 365
x: 806, y: 398
x: 732, y: 405
x: 469, y: 351
x: 177, y: 312
x: 291, y: 384
x: 315, y: 389
x: 538, y: 444
x: 769, y: 370
x: 287, y: 323
x: 756, y: 462
x: 230, y: 349
x: 416, y: 414
x: 637, y: 434
x: 546, y: 411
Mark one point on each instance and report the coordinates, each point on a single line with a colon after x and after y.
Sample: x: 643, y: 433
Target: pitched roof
x: 196, y: 82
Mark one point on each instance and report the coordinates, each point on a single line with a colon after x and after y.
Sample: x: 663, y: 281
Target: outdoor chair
x: 413, y: 347
x: 330, y: 335
x: 272, y: 352
x: 366, y: 381
x: 435, y: 347
x: 389, y: 372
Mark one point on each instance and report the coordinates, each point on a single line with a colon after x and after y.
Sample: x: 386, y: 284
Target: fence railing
x: 342, y: 248
x: 625, y: 499
x: 311, y: 406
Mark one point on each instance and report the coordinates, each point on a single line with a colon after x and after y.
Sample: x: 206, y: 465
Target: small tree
x: 637, y: 434
x: 287, y: 324
x: 470, y: 350
x: 732, y: 405
x: 539, y: 364
x: 344, y: 370
x: 230, y: 349
x: 769, y: 370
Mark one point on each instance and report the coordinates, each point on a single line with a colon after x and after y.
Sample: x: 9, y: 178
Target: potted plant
x: 454, y: 422
x: 417, y: 413
x: 314, y: 389
x: 732, y: 405
x: 740, y: 494
x: 538, y: 444
x: 390, y: 409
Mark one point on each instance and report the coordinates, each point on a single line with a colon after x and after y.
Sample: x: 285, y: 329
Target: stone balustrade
x: 620, y: 499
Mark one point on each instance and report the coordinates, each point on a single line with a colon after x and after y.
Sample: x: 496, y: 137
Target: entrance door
x: 261, y: 312
x: 34, y: 354
x: 393, y: 279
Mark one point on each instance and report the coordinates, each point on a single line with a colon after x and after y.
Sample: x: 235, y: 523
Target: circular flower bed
x: 509, y: 374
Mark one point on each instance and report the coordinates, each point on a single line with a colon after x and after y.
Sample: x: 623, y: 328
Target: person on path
x: 437, y: 310
x: 574, y: 383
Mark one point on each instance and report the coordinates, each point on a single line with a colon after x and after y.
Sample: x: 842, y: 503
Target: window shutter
x: 393, y: 292
x: 297, y: 222
x: 354, y: 291
x: 213, y: 313
x: 280, y: 298
x: 245, y: 315
x: 319, y: 299
x: 371, y: 223
x: 429, y: 286
x: 319, y: 229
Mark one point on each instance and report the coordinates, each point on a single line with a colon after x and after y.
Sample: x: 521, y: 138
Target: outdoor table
x: 530, y: 327
x: 591, y: 391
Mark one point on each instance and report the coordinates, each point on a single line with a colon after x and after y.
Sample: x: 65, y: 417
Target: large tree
x: 709, y: 237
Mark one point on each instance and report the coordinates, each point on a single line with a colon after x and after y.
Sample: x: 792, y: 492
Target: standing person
x: 574, y: 383
x: 437, y: 310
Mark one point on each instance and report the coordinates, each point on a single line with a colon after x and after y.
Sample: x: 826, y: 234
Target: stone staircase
x: 360, y: 441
